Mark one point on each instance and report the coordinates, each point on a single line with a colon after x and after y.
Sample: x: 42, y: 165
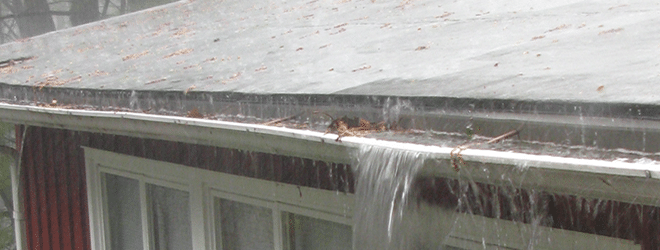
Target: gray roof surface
x: 579, y: 51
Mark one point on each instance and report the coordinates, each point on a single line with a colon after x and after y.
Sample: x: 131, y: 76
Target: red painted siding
x: 53, y: 175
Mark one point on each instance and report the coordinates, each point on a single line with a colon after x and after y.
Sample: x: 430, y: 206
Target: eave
x: 614, y: 180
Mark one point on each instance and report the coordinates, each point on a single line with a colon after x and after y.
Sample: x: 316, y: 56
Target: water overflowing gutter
x: 616, y: 180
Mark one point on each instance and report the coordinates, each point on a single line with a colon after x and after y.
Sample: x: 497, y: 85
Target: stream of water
x: 398, y: 207
x: 386, y: 216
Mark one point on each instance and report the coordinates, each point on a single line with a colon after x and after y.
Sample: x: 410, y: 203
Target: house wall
x: 53, y: 174
x: 55, y: 200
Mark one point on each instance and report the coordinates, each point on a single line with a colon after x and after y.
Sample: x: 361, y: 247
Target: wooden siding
x: 278, y: 168
x: 55, y: 201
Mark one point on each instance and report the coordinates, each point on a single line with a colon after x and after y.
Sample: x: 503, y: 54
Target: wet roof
x: 578, y: 51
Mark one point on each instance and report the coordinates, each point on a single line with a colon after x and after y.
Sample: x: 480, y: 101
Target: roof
x: 581, y: 51
x: 550, y: 63
x: 572, y: 72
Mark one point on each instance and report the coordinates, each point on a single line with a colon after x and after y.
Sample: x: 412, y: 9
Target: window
x: 304, y: 232
x: 241, y: 225
x: 123, y: 212
x: 136, y: 203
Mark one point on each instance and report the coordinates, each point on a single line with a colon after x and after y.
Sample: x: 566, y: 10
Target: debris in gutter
x: 356, y: 126
x: 343, y: 126
x: 280, y: 120
x: 194, y: 113
x: 455, y: 154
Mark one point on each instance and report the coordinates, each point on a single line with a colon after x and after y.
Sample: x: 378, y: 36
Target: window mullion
x: 217, y: 224
x: 104, y: 198
x: 209, y: 211
x: 147, y: 240
x: 198, y: 216
x: 277, y: 227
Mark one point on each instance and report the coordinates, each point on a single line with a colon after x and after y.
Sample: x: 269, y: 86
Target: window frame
x: 203, y: 186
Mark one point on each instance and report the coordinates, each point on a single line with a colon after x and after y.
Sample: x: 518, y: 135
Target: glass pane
x: 314, y: 234
x: 243, y: 226
x: 123, y: 203
x: 170, y: 217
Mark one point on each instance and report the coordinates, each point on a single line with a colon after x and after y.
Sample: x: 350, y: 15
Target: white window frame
x: 203, y: 186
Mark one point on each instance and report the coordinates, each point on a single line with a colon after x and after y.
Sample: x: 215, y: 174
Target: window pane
x: 123, y: 203
x: 315, y: 234
x: 243, y: 226
x: 170, y: 217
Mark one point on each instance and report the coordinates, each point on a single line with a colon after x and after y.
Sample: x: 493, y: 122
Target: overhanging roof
x: 593, y: 64
x: 573, y: 64
x: 573, y: 51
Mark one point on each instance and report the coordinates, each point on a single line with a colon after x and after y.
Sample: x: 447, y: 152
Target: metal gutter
x: 615, y: 180
x: 244, y: 136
